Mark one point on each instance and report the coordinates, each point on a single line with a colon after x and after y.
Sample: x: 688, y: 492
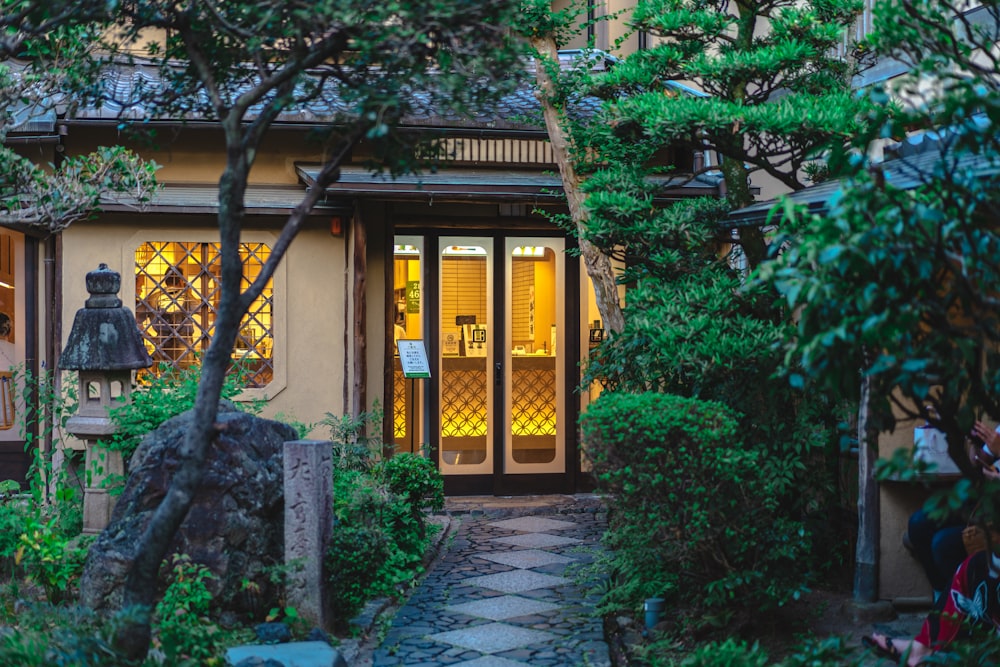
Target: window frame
x: 279, y: 305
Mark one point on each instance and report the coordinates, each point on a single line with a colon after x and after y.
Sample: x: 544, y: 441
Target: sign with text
x: 413, y: 297
x: 413, y: 358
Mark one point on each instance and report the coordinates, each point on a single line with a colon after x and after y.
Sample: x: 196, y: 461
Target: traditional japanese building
x: 461, y: 263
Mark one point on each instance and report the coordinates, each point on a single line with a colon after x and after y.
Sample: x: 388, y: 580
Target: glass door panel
x: 466, y: 362
x: 534, y: 413
x: 406, y: 309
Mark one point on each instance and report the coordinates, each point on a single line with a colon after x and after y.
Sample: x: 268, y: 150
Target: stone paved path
x: 507, y: 589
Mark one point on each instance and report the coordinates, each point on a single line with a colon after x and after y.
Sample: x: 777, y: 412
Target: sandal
x: 889, y: 650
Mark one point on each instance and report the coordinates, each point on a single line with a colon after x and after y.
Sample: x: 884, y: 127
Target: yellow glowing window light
x: 176, y: 297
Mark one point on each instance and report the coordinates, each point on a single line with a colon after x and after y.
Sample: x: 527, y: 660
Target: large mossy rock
x: 235, y: 527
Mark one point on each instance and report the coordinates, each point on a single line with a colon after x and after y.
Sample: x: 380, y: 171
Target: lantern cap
x: 105, y: 336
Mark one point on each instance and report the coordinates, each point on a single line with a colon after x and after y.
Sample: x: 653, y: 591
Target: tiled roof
x: 519, y: 110
x: 904, y: 173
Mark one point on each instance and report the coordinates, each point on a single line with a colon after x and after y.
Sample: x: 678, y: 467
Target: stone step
x: 291, y: 654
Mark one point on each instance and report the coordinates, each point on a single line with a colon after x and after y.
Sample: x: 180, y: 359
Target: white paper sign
x: 413, y: 358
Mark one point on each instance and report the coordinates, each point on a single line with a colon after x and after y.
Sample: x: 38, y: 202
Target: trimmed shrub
x: 694, y: 515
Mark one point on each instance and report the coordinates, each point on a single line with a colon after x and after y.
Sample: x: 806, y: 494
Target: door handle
x: 498, y: 373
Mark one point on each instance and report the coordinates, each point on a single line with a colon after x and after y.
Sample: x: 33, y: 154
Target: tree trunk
x: 133, y: 637
x: 360, y: 344
x: 597, y: 264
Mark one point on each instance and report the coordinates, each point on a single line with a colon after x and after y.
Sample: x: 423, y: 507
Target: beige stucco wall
x: 197, y: 154
x: 309, y: 326
x: 312, y: 324
x: 900, y: 576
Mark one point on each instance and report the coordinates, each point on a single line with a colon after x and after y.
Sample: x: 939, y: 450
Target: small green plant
x: 730, y: 653
x: 357, y: 441
x: 14, y: 511
x: 47, y: 405
x: 184, y: 632
x: 162, y: 396
x: 69, y: 635
x: 50, y: 559
x: 354, y: 560
x: 414, y: 478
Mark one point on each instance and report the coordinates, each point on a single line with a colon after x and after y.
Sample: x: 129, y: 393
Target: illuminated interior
x: 465, y: 341
x: 177, y: 291
x: 406, y: 307
x: 471, y: 367
x: 533, y: 408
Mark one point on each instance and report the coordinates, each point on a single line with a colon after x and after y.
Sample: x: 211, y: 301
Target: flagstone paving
x: 511, y: 589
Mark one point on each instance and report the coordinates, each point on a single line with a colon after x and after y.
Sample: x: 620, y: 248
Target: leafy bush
x: 160, y: 397
x: 730, y: 653
x: 14, y: 511
x: 416, y: 485
x: 381, y: 533
x: 695, y: 517
x: 352, y: 448
x: 356, y: 556
x: 414, y: 478
x: 68, y: 636
x: 706, y: 335
x: 828, y: 652
x: 49, y: 558
x: 185, y: 634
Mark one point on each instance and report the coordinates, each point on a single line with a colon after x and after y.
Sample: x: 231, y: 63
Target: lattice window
x: 463, y: 403
x: 399, y: 411
x: 177, y: 293
x: 533, y: 408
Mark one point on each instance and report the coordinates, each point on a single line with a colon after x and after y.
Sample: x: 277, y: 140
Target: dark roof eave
x: 197, y: 199
x: 462, y: 184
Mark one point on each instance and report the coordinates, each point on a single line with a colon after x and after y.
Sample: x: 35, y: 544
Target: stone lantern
x: 106, y: 347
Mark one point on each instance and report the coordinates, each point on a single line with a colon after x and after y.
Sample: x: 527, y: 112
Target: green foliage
x: 357, y: 441
x: 66, y: 636
x: 184, y: 632
x: 40, y: 538
x: 415, y: 479
x: 730, y: 653
x: 14, y: 513
x: 47, y: 404
x: 980, y: 649
x: 382, y: 533
x: 695, y: 515
x: 537, y: 17
x: 356, y: 556
x: 49, y: 558
x: 52, y: 46
x: 900, y: 282
x: 823, y: 652
x: 760, y: 86
x: 827, y: 652
x: 157, y: 399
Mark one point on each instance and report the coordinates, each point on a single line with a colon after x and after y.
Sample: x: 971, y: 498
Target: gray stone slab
x: 536, y: 540
x: 526, y: 558
x: 533, y: 524
x: 516, y: 581
x: 292, y: 654
x: 494, y: 637
x: 505, y: 606
x: 491, y: 661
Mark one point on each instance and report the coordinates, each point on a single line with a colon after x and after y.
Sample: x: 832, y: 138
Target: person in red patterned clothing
x: 974, y: 596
